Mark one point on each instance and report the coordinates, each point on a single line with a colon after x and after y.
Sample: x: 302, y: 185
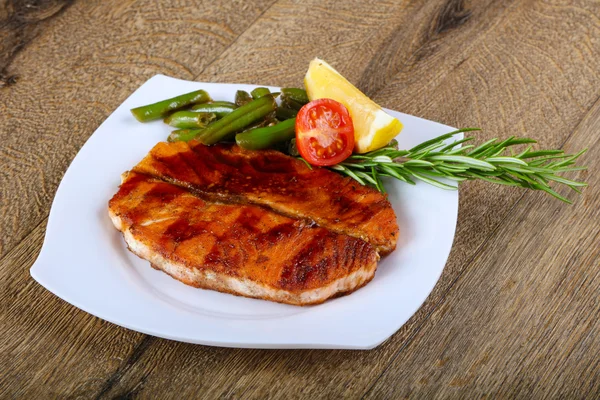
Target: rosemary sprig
x: 492, y: 161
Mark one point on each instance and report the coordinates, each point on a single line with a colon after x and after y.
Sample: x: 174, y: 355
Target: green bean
x: 259, y: 92
x: 184, y: 135
x: 190, y: 119
x: 237, y: 120
x: 292, y: 149
x: 292, y: 104
x: 298, y: 95
x: 262, y: 138
x: 283, y: 113
x: 220, y: 108
x: 162, y: 108
x: 282, y: 147
x: 242, y: 97
x: 267, y: 121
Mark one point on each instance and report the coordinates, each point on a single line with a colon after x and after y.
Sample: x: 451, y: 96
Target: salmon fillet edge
x: 206, y: 279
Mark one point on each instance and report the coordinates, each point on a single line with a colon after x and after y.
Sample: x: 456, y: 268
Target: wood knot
x: 21, y: 22
x: 452, y: 15
x: 7, y: 80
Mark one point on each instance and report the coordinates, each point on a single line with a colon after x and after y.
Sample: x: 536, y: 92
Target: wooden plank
x: 47, y: 347
x: 508, y: 85
x: 444, y: 92
x: 450, y: 100
x: 522, y: 321
x: 81, y: 65
x: 217, y: 372
x: 21, y: 22
x: 369, y: 43
x: 312, y: 372
x: 329, y: 373
x: 78, y: 68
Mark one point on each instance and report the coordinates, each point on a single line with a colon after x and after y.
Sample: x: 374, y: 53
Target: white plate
x: 85, y: 262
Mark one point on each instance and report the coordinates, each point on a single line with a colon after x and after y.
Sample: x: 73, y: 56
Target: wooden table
x: 516, y: 312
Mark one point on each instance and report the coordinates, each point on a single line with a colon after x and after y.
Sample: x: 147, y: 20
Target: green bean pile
x: 255, y: 120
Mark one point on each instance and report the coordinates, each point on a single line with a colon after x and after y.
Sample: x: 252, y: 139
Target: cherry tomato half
x: 324, y: 132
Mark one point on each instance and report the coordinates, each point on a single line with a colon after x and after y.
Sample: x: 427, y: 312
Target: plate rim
x: 36, y: 271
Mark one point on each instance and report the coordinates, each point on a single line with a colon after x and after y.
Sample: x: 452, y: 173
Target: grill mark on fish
x: 303, y: 266
x: 174, y: 166
x: 223, y: 252
x: 277, y: 233
x: 278, y: 182
x: 181, y: 230
x: 128, y: 186
x: 184, y: 157
x: 237, y: 241
x: 160, y: 194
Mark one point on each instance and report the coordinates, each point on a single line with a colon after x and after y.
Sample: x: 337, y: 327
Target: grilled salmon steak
x: 284, y: 184
x: 196, y: 218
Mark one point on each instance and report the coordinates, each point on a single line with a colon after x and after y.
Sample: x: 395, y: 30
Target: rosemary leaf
x: 493, y: 161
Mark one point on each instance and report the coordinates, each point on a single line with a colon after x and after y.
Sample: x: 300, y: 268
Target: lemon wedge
x: 373, y: 127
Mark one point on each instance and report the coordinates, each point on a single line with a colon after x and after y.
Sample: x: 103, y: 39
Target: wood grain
x: 20, y: 22
x: 78, y: 69
x: 511, y: 67
x: 548, y: 106
x: 522, y: 321
x: 368, y: 43
x: 48, y: 348
x: 73, y: 73
x: 262, y: 374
